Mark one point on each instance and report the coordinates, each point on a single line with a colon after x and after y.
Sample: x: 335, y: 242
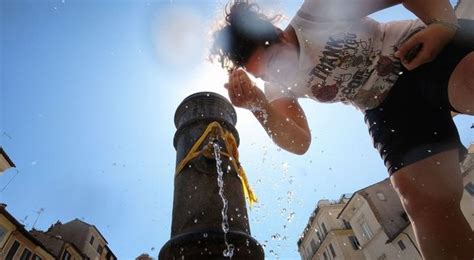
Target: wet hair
x: 246, y: 29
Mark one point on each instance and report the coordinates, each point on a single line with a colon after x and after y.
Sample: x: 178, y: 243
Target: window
x: 470, y: 188
x: 319, y: 236
x: 100, y: 249
x: 3, y: 232
x: 366, y: 231
x: 333, y: 253
x: 405, y: 217
x: 325, y: 231
x: 92, y: 240
x: 325, y: 256
x: 66, y: 255
x: 308, y: 254
x: 12, y: 251
x: 26, y: 254
x: 314, y: 248
x: 346, y: 223
x: 381, y: 196
x: 354, y: 242
x: 36, y: 257
x: 401, y: 245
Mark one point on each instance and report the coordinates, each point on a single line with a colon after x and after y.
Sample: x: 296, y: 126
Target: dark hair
x: 245, y: 30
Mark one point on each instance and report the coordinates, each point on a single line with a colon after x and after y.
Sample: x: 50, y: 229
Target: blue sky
x: 88, y: 93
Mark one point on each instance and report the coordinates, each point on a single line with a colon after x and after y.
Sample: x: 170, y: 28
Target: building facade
x: 16, y: 242
x: 465, y: 9
x: 467, y: 201
x: 5, y: 161
x: 380, y: 223
x: 326, y: 236
x: 85, y: 237
x: 144, y: 256
x: 58, y: 247
x: 372, y: 224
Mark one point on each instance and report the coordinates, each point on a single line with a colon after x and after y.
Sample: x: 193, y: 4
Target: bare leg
x: 461, y: 86
x: 431, y: 191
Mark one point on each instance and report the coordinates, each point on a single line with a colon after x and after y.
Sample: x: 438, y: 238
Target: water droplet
x: 204, y: 235
x: 229, y: 251
x: 195, y: 220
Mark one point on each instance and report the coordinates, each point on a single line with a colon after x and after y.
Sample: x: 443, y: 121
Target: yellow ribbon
x: 232, y: 154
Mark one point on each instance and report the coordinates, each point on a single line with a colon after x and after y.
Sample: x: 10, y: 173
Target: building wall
x: 80, y: 234
x: 75, y: 255
x: 6, y: 229
x: 92, y: 250
x: 467, y: 201
x: 342, y: 248
x: 25, y: 243
x: 466, y: 9
x: 314, y: 246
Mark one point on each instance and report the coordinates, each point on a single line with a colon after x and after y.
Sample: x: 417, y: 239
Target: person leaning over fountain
x: 405, y: 76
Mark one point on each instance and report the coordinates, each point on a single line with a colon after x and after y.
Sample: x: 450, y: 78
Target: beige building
x: 467, y: 201
x: 465, y: 9
x: 85, y: 237
x: 326, y: 236
x: 57, y: 246
x: 372, y: 224
x: 380, y: 223
x: 144, y: 256
x: 16, y: 242
x: 5, y: 162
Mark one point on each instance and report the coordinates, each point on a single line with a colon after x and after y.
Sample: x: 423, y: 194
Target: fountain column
x: 196, y: 229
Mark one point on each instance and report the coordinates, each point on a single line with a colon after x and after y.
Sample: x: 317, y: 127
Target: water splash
x: 229, y: 251
x: 263, y: 112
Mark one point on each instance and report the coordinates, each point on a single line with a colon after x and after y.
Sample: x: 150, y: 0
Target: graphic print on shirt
x: 344, y: 66
x: 389, y: 69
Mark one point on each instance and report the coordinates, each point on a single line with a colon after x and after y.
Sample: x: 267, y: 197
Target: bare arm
x: 442, y: 22
x: 439, y: 14
x: 283, y: 120
x: 427, y: 10
x: 345, y: 9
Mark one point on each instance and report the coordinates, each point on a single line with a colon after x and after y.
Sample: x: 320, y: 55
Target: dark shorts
x: 414, y: 121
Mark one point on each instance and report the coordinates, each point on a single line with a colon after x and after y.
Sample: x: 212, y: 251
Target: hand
x: 432, y: 40
x: 242, y: 92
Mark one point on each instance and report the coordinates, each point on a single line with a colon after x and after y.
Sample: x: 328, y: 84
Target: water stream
x: 229, y: 251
